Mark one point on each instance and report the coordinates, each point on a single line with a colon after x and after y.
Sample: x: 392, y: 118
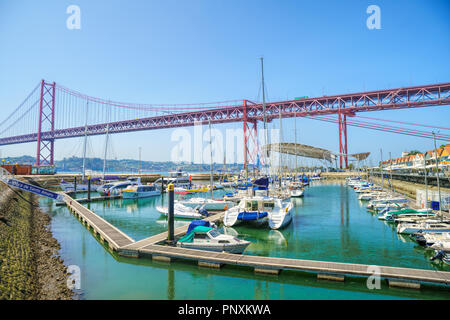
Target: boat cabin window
x: 214, y: 233
x: 124, y: 186
x: 224, y: 241
x: 200, y: 236
x: 252, y: 205
x: 269, y: 205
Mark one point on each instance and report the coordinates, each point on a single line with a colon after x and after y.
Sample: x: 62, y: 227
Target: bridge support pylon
x: 343, y: 151
x: 46, y: 147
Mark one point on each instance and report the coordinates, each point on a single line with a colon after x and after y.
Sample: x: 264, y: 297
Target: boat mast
x: 106, y: 150
x: 85, y: 140
x: 381, y: 168
x: 211, y: 186
x: 279, y: 147
x: 264, y: 115
x: 437, y: 175
x: 295, y: 142
x: 390, y: 162
x: 426, y: 181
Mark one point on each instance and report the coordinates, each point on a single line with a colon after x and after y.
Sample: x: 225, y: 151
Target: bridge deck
x: 115, y: 238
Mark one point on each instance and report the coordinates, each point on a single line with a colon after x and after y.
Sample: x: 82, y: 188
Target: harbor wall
x: 29, y: 265
x: 405, y: 187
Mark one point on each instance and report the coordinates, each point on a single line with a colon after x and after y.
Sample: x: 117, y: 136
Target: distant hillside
x: 75, y: 164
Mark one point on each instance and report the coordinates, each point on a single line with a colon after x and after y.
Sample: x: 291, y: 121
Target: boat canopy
x: 261, y: 182
x: 189, y: 237
x: 197, y: 223
x: 406, y: 211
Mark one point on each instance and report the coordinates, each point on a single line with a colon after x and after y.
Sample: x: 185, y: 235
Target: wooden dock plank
x: 299, y: 264
x: 115, y: 237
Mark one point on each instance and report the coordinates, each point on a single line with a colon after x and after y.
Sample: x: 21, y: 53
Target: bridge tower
x: 343, y: 139
x: 45, y: 147
x: 343, y: 150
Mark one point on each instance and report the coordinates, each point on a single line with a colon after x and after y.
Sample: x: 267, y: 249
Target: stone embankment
x: 29, y: 266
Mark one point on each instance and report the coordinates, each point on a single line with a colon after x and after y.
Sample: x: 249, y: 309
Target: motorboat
x: 405, y: 213
x: 429, y: 239
x: 116, y: 188
x: 440, y: 244
x: 297, y: 192
x: 207, y: 204
x: 140, y: 191
x: 183, y: 212
x: 69, y: 186
x: 260, y: 211
x: 389, y: 206
x: 410, y: 228
x: 177, y: 178
x: 385, y: 200
x: 296, y: 189
x: 202, y: 236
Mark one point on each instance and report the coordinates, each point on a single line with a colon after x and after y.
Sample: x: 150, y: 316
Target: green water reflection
x: 329, y: 224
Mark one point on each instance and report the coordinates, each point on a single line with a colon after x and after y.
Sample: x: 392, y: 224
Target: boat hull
x: 137, y: 195
x: 231, y: 248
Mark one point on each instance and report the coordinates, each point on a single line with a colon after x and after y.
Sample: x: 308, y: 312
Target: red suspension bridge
x: 53, y: 112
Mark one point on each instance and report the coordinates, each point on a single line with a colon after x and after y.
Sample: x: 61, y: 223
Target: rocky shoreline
x: 30, y: 268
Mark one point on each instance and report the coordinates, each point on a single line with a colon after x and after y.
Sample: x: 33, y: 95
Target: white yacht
x: 183, y: 212
x: 296, y: 189
x: 177, y: 178
x: 140, y: 191
x: 410, y: 228
x: 207, y: 204
x: 116, y: 188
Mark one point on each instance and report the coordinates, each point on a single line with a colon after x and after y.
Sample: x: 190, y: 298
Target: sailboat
x: 260, y: 211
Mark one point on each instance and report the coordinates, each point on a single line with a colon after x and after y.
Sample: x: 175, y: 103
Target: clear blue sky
x: 194, y: 51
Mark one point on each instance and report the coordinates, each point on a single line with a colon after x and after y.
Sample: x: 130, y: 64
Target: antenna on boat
x: 106, y: 150
x: 295, y: 141
x: 437, y: 174
x: 85, y: 139
x: 264, y: 115
x: 211, y: 180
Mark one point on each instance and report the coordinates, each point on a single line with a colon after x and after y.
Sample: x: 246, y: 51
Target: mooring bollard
x: 170, y: 214
x: 75, y: 184
x: 89, y: 189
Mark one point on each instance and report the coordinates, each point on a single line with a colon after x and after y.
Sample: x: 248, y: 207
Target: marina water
x: 329, y: 224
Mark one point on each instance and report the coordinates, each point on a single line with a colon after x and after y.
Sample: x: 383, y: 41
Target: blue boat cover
x: 251, y: 215
x: 261, y: 182
x: 197, y: 223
